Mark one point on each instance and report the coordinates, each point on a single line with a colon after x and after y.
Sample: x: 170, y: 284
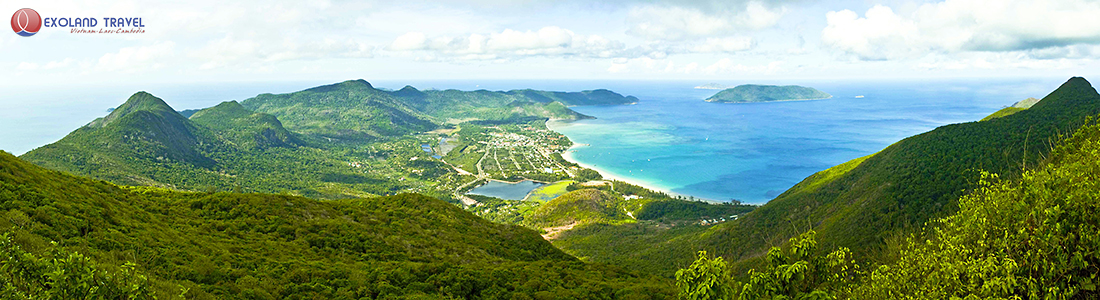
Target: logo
x: 26, y: 22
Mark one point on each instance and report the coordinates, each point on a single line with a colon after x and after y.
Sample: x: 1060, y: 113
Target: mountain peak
x: 140, y: 101
x: 1073, y: 93
x: 409, y: 92
x: 226, y: 109
x: 349, y: 84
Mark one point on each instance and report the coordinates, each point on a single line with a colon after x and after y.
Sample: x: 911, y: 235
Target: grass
x: 1007, y: 111
x: 550, y: 191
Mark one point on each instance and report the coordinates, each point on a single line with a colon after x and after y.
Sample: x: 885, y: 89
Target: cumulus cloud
x: 963, y: 25
x: 509, y: 44
x: 730, y: 44
x: 725, y: 66
x: 233, y: 51
x: 677, y: 22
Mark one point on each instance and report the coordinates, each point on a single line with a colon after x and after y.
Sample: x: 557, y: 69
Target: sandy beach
x: 568, y: 155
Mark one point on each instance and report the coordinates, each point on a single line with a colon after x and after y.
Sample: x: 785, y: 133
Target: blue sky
x: 216, y: 41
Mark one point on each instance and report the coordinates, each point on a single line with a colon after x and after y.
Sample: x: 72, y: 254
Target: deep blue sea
x: 671, y: 140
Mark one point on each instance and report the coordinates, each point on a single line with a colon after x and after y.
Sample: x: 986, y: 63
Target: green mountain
x: 915, y: 180
x: 356, y: 111
x: 749, y: 93
x: 1033, y: 237
x: 590, y: 97
x: 244, y: 128
x: 261, y: 246
x: 350, y: 110
x: 226, y: 147
x: 454, y: 106
x: 139, y: 140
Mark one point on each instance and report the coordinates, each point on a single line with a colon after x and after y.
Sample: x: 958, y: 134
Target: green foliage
x: 584, y: 175
x: 351, y: 111
x: 245, y: 129
x: 797, y: 272
x: 705, y: 279
x: 644, y: 246
x: 64, y: 275
x: 800, y: 273
x: 748, y: 93
x: 227, y: 147
x: 1007, y: 111
x: 239, y: 246
x: 578, y: 207
x: 681, y: 210
x: 1036, y: 237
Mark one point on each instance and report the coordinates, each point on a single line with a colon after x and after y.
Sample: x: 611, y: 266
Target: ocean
x: 671, y: 140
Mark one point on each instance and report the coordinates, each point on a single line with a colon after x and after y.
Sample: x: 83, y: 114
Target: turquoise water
x: 673, y: 141
x: 507, y: 191
x: 670, y: 140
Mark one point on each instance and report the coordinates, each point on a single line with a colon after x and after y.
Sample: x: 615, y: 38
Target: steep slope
x: 142, y: 132
x: 258, y: 246
x: 245, y: 129
x: 1034, y: 237
x: 1015, y: 108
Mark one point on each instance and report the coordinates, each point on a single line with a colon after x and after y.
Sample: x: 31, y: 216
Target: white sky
x: 227, y: 41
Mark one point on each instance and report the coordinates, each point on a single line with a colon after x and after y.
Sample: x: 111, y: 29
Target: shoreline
x: 608, y: 175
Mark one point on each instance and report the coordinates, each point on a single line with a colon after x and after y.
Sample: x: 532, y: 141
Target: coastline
x: 608, y: 175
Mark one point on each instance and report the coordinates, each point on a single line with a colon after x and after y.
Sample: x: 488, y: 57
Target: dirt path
x: 552, y: 232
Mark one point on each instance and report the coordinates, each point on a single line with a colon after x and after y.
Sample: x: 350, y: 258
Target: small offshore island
x: 753, y: 93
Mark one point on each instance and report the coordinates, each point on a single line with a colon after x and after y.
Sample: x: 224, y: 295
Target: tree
x: 794, y: 273
x: 707, y: 278
x: 64, y: 275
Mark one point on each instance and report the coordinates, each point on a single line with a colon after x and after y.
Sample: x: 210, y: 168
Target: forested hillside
x: 1035, y: 236
x: 262, y: 246
x: 229, y: 148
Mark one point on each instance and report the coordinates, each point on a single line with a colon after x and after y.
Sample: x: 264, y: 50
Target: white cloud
x: 725, y: 66
x: 963, y: 25
x: 409, y: 41
x: 508, y: 44
x: 730, y: 44
x: 133, y: 59
x: 27, y: 66
x: 1015, y: 60
x: 728, y: 66
x: 232, y: 51
x: 59, y: 64
x: 672, y: 23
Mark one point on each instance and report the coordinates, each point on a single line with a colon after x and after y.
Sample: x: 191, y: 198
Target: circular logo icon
x: 26, y: 22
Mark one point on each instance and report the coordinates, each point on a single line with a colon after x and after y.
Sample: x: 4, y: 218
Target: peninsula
x: 751, y: 93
